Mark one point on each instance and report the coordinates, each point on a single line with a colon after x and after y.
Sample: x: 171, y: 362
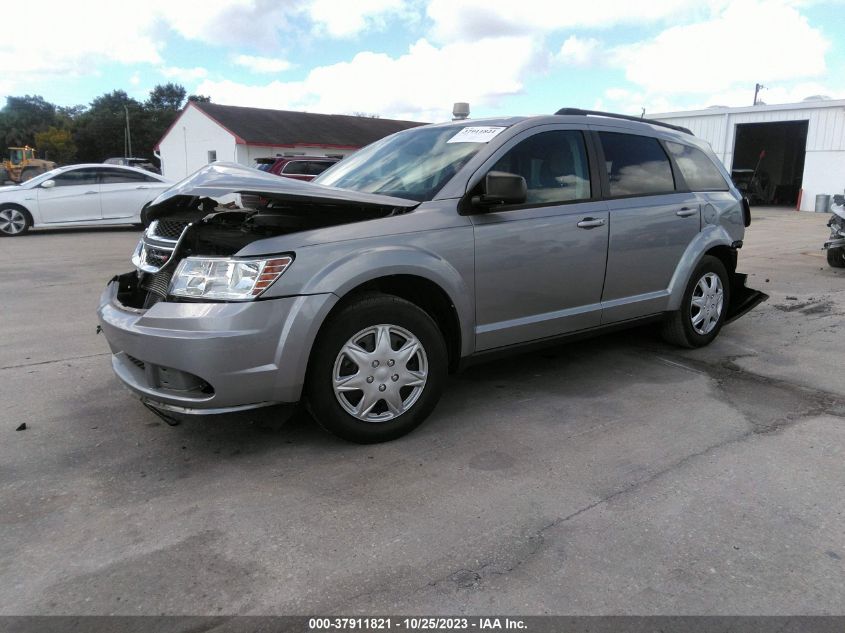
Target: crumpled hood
x: 220, y: 179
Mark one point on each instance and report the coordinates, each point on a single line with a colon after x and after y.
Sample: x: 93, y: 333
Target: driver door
x: 75, y: 197
x: 540, y: 265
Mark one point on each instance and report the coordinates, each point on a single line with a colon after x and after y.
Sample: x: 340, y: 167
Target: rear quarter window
x: 697, y: 169
x: 636, y: 165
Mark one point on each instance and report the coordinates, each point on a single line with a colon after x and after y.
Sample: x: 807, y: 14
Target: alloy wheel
x: 707, y: 303
x: 380, y: 373
x: 12, y: 221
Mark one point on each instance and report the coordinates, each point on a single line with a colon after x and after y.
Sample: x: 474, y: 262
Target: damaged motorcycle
x: 835, y: 246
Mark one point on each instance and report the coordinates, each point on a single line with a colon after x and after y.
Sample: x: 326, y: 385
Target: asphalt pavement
x: 617, y: 475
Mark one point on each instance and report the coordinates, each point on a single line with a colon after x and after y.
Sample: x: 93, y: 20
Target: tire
x: 358, y: 413
x: 695, y: 325
x: 836, y: 257
x: 29, y: 173
x: 14, y: 221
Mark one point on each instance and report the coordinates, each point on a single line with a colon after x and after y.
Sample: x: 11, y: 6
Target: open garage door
x: 768, y: 161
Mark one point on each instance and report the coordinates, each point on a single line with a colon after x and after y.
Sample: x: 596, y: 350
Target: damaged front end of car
x: 187, y: 229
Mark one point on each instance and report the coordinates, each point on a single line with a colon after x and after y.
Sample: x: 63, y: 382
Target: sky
x: 412, y: 59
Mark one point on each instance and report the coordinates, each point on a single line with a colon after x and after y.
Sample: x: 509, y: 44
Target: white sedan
x: 78, y: 195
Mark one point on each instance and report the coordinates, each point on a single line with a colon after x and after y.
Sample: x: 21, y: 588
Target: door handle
x: 591, y: 223
x: 88, y: 193
x: 141, y: 187
x: 686, y: 212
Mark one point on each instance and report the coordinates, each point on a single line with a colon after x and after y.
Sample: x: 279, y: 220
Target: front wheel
x: 13, y: 221
x: 703, y: 307
x: 377, y: 370
x: 836, y: 257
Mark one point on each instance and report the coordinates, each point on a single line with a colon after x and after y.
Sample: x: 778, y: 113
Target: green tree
x: 56, y: 144
x: 100, y: 131
x: 169, y: 97
x: 23, y: 117
x: 199, y: 98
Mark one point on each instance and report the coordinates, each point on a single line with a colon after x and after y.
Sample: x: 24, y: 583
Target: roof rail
x: 612, y: 115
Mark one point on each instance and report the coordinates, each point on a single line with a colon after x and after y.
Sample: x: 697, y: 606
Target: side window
x: 76, y: 177
x: 296, y: 167
x: 315, y: 168
x: 115, y: 176
x: 697, y: 169
x: 636, y: 165
x: 212, y: 155
x: 554, y: 165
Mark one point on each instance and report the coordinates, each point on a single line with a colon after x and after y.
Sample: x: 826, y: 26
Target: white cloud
x: 342, y: 18
x: 422, y: 84
x: 184, y: 74
x: 712, y: 56
x: 577, y: 51
x: 472, y: 19
x: 135, y: 79
x: 258, y: 64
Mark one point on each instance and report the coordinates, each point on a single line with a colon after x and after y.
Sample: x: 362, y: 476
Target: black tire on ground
x: 678, y: 328
x: 27, y: 173
x: 836, y: 257
x: 14, y: 221
x: 369, y: 311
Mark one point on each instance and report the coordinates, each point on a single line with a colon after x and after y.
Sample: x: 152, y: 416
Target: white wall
x: 185, y: 147
x: 824, y: 165
x: 824, y: 173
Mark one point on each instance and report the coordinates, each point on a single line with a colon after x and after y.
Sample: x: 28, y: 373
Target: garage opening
x: 768, y: 161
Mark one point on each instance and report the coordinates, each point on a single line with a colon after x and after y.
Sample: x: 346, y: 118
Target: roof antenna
x: 460, y: 111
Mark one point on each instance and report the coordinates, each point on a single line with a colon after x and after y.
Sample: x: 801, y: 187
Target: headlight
x: 226, y: 279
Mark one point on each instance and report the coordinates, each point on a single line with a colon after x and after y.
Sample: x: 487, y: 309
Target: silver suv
x: 432, y: 248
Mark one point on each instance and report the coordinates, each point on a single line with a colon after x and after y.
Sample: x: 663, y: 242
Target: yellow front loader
x: 23, y: 165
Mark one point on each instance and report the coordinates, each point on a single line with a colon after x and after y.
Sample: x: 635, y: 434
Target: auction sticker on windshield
x: 476, y: 135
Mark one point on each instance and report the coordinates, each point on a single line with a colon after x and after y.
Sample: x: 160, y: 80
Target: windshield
x: 34, y: 182
x: 413, y: 164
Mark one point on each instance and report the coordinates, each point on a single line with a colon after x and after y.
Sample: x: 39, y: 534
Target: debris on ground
x: 22, y: 427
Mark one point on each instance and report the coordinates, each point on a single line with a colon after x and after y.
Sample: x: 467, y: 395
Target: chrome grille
x: 167, y: 229
x: 156, y: 257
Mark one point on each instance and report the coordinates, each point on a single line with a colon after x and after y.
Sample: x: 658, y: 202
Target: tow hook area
x: 169, y: 419
x: 743, y: 298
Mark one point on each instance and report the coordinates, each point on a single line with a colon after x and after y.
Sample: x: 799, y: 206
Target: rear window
x: 636, y: 165
x: 697, y: 169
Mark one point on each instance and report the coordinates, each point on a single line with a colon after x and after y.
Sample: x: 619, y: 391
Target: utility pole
x: 128, y: 132
x: 757, y: 89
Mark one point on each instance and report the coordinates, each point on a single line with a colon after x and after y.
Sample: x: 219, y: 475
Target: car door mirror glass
x: 503, y: 188
x: 48, y: 184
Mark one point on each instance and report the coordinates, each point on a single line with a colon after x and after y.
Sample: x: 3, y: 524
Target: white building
x: 803, y: 145
x: 207, y: 132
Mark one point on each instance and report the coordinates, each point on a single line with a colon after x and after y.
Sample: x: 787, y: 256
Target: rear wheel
x: 703, y: 307
x: 377, y: 370
x: 14, y: 221
x: 836, y: 257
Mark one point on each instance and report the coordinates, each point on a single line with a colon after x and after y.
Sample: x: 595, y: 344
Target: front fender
x: 341, y: 272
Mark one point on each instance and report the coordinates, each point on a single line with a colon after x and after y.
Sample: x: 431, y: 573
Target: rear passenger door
x: 124, y: 192
x: 540, y: 264
x: 652, y: 221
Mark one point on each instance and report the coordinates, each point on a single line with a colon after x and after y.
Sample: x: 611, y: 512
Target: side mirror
x: 502, y: 188
x: 48, y: 184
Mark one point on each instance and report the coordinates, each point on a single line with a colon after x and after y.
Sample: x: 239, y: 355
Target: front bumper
x: 213, y: 357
